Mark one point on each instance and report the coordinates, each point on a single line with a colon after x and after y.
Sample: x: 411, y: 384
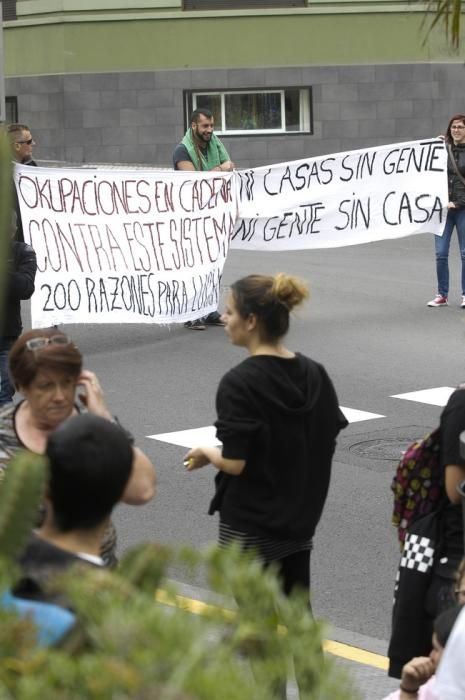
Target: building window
x: 11, y: 110
x: 243, y: 112
x: 240, y: 4
x: 9, y: 10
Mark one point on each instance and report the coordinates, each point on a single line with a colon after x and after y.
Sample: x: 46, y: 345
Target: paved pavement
x: 371, y: 681
x: 368, y: 323
x: 363, y: 658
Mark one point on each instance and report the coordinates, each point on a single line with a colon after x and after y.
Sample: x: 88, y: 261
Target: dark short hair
x: 201, y: 111
x: 271, y: 299
x: 90, y: 461
x: 24, y: 363
x: 443, y: 624
x: 456, y: 117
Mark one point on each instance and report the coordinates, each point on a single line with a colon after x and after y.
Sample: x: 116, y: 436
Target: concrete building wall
x: 97, y: 80
x: 139, y: 117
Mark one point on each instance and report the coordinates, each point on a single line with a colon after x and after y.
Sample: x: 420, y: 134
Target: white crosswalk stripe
x: 206, y: 435
x: 353, y: 415
x: 190, y: 438
x: 435, y: 396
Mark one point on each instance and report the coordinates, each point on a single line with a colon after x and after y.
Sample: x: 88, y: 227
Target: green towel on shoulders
x: 211, y: 157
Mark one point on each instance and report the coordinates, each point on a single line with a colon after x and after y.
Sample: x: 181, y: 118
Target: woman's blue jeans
x: 455, y: 219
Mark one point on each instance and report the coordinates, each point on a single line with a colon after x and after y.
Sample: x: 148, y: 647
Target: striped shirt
x: 267, y: 549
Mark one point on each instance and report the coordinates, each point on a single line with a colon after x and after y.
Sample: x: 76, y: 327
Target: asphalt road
x: 368, y: 323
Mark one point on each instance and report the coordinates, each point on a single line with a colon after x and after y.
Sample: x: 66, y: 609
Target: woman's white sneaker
x: 462, y: 305
x: 439, y: 300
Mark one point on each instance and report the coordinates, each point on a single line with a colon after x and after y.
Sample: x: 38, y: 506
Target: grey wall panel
x: 139, y: 118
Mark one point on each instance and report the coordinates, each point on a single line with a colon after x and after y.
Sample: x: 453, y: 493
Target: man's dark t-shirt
x: 180, y: 153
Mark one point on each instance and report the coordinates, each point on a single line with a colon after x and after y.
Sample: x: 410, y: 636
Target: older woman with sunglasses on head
x: 46, y: 368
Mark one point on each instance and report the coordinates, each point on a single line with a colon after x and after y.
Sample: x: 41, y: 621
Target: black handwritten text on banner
x: 117, y: 246
x: 125, y: 246
x: 343, y: 199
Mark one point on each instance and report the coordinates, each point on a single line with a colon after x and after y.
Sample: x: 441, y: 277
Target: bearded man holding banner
x: 201, y: 149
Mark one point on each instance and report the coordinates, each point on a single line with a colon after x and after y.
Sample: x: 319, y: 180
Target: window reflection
x: 267, y: 111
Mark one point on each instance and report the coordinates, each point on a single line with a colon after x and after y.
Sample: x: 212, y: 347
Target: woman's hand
x: 92, y: 397
x: 195, y: 459
x: 451, y: 205
x: 200, y: 456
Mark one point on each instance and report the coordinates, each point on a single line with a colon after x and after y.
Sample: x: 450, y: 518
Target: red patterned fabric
x: 418, y: 482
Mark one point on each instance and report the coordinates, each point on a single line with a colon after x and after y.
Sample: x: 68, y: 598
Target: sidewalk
x: 371, y: 683
x: 369, y: 671
x: 363, y: 657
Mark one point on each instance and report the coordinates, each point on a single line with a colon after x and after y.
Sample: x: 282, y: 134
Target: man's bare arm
x: 185, y: 165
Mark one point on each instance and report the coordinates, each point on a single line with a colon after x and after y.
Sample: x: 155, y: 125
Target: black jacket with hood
x: 282, y: 417
x: 22, y: 266
x: 455, y: 184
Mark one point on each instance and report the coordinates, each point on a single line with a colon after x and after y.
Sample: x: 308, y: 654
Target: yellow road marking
x: 344, y: 651
x: 198, y: 607
x: 361, y: 656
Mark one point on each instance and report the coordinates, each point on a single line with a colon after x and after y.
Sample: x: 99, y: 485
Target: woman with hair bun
x: 278, y: 418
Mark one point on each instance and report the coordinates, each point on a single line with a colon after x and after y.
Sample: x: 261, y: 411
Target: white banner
x: 343, y: 199
x: 125, y: 246
x: 117, y: 246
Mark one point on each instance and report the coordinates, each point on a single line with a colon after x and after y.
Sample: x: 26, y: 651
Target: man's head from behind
x: 21, y: 141
x: 90, y: 465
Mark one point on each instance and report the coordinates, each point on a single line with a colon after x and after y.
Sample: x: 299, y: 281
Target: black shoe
x: 213, y: 319
x: 197, y: 325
